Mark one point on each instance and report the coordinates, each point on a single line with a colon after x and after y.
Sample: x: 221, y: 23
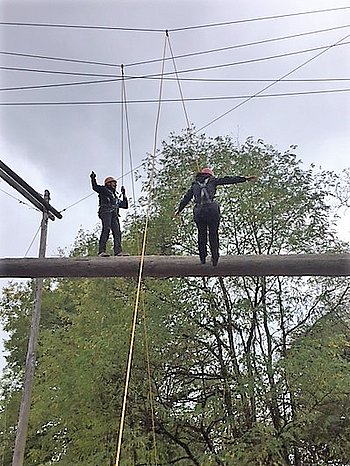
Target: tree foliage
x: 226, y: 371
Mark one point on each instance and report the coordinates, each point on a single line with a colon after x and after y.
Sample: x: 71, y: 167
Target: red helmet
x: 109, y: 179
x: 207, y: 171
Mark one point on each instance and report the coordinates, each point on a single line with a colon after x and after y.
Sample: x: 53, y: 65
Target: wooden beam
x: 24, y: 188
x: 331, y: 265
x: 26, y: 194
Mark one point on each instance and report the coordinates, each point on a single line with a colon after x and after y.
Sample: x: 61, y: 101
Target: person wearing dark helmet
x: 108, y: 212
x: 206, y: 210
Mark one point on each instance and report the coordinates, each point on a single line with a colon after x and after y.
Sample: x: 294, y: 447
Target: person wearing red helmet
x: 206, y: 210
x: 108, y: 212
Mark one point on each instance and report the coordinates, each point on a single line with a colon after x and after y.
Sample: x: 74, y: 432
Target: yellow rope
x: 139, y: 282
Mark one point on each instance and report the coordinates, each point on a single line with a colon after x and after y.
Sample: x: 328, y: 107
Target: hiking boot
x: 214, y: 261
x: 103, y: 254
x: 122, y: 254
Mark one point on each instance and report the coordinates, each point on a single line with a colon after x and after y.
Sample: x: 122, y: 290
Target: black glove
x: 122, y: 190
x: 93, y: 175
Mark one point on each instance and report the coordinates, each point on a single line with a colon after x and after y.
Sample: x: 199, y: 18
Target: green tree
x: 236, y: 332
x: 250, y: 371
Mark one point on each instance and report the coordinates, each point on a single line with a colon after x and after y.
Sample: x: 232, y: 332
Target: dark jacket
x: 107, y: 198
x: 210, y: 186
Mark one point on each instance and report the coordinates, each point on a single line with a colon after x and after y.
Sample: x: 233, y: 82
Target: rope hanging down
x: 139, y: 282
x: 132, y: 169
x: 178, y: 80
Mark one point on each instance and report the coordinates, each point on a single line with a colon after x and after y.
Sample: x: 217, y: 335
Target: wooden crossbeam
x: 331, y: 265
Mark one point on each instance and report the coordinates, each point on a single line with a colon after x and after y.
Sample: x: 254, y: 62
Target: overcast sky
x: 55, y: 147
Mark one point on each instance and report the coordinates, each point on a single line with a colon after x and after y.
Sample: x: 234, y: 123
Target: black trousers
x: 207, y: 218
x: 110, y: 222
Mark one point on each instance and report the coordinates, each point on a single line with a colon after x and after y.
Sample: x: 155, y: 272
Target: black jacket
x: 107, y: 198
x: 211, y: 184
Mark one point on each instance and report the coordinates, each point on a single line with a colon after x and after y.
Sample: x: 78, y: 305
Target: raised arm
x: 96, y: 187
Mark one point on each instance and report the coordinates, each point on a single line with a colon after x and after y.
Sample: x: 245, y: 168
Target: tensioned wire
x: 272, y: 84
x: 169, y: 78
x: 139, y: 282
x: 19, y: 200
x: 186, y: 28
x: 187, y: 99
x: 103, y: 81
x: 186, y: 55
x: 115, y: 77
x: 31, y: 243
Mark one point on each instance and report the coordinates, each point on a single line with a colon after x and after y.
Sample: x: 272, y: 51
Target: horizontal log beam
x: 331, y: 265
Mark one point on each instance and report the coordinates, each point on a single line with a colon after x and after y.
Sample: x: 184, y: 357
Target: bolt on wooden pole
x: 22, y: 426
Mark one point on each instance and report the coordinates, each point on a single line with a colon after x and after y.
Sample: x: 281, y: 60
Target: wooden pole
x: 22, y: 427
x: 331, y: 265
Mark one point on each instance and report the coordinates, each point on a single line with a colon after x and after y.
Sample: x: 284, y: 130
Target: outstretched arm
x: 234, y: 179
